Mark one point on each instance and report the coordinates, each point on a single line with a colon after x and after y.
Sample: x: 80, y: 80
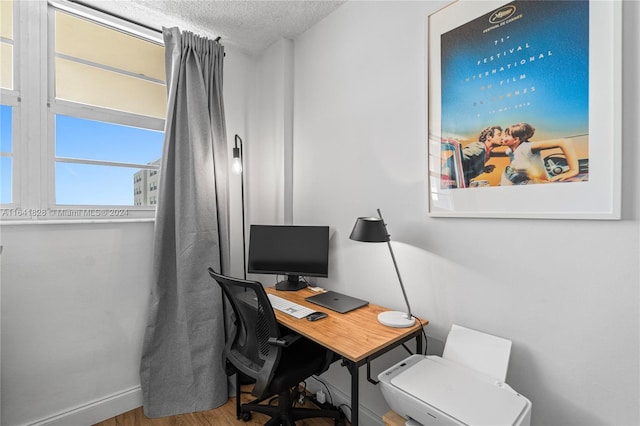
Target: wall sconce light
x: 237, y: 167
x: 237, y: 157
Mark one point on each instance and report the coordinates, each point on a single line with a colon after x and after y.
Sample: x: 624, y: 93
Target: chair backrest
x: 247, y: 346
x: 479, y: 351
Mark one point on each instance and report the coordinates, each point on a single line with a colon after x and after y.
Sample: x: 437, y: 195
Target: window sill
x: 71, y: 215
x: 72, y: 221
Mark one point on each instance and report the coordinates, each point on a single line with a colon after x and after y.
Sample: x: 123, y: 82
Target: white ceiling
x: 250, y: 25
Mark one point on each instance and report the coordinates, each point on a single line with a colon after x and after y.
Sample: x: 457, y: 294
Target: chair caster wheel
x: 246, y: 416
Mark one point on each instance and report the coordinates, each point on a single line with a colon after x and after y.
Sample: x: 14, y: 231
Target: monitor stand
x: 291, y: 284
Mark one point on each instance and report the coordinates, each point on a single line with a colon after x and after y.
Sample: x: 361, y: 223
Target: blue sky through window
x: 95, y: 140
x: 5, y: 128
x: 6, y: 163
x: 88, y: 184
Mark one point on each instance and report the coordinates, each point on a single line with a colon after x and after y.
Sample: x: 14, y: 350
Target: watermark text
x: 62, y: 213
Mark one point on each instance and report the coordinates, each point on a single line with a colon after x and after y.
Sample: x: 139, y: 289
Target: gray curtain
x: 181, y: 368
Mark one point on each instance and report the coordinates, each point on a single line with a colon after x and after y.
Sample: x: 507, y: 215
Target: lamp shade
x: 369, y: 230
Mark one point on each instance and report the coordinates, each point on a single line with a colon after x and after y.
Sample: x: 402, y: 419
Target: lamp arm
x: 395, y: 264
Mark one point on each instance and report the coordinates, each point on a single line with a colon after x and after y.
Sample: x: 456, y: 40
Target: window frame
x: 32, y: 100
x: 12, y: 99
x: 90, y: 112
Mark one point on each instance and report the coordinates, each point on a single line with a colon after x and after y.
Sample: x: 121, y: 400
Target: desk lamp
x: 374, y: 230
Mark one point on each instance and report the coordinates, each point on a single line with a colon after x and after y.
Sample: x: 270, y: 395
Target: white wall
x: 565, y: 292
x: 239, y: 73
x: 73, y: 311
x: 268, y: 148
x: 74, y: 302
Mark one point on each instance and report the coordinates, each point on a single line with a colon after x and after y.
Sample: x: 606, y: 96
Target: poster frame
x: 599, y: 197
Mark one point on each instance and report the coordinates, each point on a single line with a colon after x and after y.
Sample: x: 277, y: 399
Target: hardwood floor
x: 221, y: 416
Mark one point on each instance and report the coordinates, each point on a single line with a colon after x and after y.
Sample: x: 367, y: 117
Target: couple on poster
x: 526, y: 164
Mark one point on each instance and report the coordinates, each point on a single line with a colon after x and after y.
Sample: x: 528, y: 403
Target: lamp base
x: 396, y: 319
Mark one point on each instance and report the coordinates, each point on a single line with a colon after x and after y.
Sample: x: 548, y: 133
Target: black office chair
x: 272, y: 355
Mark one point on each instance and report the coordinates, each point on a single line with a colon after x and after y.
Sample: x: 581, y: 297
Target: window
x: 107, y: 109
x: 6, y: 44
x: 82, y: 107
x: 9, y: 102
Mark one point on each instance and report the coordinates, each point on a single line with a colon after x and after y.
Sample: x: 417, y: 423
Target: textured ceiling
x: 249, y: 25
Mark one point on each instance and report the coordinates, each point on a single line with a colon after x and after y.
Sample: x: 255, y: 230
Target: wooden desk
x: 357, y: 336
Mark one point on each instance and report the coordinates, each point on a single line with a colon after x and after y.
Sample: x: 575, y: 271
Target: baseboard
x: 366, y: 416
x: 96, y: 411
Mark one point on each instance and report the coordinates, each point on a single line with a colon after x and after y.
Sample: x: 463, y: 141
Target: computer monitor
x: 291, y: 250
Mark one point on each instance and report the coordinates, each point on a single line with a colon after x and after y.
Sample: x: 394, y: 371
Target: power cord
x: 320, y: 401
x: 426, y: 341
x: 340, y: 407
x: 301, y: 395
x: 326, y: 387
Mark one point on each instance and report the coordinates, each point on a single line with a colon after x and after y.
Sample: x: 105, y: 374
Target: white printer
x: 433, y: 390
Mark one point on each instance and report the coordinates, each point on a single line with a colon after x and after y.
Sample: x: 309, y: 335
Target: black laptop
x: 337, y: 302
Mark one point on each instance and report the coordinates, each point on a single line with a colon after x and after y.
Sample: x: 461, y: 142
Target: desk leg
x: 354, y: 370
x: 355, y: 388
x: 419, y: 344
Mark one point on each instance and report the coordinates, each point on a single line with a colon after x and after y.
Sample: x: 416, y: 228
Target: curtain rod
x: 130, y: 21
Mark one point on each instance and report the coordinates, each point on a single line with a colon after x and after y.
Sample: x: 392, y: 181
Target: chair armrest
x: 284, y: 341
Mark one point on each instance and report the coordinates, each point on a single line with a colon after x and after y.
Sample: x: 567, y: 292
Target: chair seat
x: 304, y: 360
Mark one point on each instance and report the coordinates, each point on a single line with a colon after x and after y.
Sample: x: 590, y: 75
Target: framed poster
x: 524, y: 109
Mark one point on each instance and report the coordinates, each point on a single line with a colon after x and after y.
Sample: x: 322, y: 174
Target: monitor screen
x: 291, y: 250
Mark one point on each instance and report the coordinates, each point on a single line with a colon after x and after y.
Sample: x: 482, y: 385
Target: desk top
x: 354, y: 335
